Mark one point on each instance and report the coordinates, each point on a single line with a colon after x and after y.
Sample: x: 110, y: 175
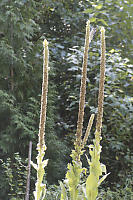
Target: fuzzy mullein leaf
x: 73, y: 177
x: 35, y: 194
x: 33, y: 165
x: 43, y: 191
x: 63, y: 192
x: 98, y: 169
x: 88, y: 160
x: 91, y: 187
x: 102, y: 179
x: 81, y: 196
x: 77, y: 153
x: 91, y: 152
x: 44, y: 163
x: 95, y: 168
x: 95, y: 172
x: 103, y: 167
x: 95, y: 163
x: 84, y: 191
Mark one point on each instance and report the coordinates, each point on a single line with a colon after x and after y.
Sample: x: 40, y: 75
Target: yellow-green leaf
x: 91, y: 187
x: 103, y: 22
x: 93, y: 19
x: 99, y: 6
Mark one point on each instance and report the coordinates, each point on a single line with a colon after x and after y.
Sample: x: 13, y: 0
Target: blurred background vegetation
x: 24, y: 24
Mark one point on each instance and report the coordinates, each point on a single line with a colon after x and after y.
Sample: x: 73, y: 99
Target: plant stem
x: 101, y: 83
x: 96, y: 169
x: 83, y: 87
x: 88, y: 130
x: 40, y: 187
x: 44, y: 96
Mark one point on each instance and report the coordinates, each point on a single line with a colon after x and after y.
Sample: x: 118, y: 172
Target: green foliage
x: 21, y: 54
x: 117, y: 137
x: 16, y: 124
x: 53, y: 192
x: 16, y: 47
x: 123, y: 191
x: 57, y: 149
x: 16, y: 174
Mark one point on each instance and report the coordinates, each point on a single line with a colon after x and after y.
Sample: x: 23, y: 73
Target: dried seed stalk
x: 101, y: 83
x: 40, y: 190
x: 83, y: 87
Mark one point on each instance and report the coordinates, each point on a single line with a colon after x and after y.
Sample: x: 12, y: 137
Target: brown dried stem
x: 44, y: 96
x: 41, y: 147
x: 88, y: 130
x: 83, y: 87
x: 101, y: 83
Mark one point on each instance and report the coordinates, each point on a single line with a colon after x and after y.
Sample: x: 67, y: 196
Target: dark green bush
x: 15, y: 175
x: 120, y: 192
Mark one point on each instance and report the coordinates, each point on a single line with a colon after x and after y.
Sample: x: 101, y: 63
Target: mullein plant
x: 75, y: 169
x: 89, y: 190
x: 40, y: 187
x: 96, y: 168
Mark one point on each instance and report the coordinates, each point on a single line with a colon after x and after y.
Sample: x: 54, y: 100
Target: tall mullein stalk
x: 97, y: 168
x: 40, y: 188
x: 73, y: 175
x: 82, y: 93
x: 101, y: 85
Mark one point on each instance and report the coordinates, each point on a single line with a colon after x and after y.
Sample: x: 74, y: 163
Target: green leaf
x: 63, y: 192
x: 91, y: 187
x: 93, y: 19
x: 87, y: 11
x: 34, y: 165
x: 102, y: 179
x: 103, y: 167
x: 43, y: 191
x: 112, y: 51
x: 103, y: 22
x: 98, y: 7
